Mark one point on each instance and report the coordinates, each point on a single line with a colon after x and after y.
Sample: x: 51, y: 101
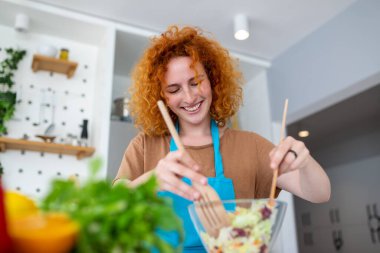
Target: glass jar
x: 64, y: 54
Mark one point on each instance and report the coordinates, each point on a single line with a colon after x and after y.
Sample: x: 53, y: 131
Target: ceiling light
x: 241, y: 27
x: 303, y: 133
x: 22, y: 23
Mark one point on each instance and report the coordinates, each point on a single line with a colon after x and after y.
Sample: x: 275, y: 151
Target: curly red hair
x: 149, y: 73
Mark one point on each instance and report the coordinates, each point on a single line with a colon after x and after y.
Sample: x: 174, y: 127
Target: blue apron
x: 222, y: 185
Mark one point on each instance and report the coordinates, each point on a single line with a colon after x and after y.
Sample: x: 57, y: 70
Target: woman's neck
x: 197, y: 135
x: 191, y: 130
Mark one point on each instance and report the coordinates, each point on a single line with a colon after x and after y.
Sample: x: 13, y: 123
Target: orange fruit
x: 43, y: 233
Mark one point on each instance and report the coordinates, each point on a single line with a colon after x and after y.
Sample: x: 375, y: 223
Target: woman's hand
x: 300, y: 173
x: 172, y: 168
x: 289, y: 155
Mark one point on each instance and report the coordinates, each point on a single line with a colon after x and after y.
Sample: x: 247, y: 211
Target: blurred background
x: 322, y: 55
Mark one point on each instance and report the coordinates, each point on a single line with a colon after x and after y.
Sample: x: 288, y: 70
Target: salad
x: 250, y: 231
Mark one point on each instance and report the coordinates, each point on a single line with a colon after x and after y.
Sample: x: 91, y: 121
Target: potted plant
x: 7, y: 97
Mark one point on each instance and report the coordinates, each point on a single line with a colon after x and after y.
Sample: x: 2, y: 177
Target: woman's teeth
x: 192, y: 109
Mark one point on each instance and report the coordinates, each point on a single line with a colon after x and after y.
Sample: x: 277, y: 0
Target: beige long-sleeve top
x: 245, y: 160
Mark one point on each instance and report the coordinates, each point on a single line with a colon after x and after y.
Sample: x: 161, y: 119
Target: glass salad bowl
x: 254, y: 226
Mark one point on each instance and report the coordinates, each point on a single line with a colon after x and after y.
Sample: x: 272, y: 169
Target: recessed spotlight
x: 241, y: 27
x: 303, y: 133
x: 22, y: 23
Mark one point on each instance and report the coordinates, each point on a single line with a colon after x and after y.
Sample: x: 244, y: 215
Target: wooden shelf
x: 41, y: 62
x: 19, y: 144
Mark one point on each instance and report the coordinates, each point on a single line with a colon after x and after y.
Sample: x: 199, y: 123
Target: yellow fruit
x: 18, y: 205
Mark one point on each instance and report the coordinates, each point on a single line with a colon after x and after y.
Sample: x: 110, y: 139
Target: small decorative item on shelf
x: 84, y: 133
x: 47, y: 50
x: 47, y: 139
x: 72, y: 140
x: 120, y: 110
x: 64, y: 54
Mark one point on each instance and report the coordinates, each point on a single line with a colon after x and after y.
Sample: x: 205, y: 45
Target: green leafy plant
x: 115, y: 219
x: 8, y: 98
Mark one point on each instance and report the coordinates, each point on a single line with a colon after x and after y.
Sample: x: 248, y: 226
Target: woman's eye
x: 196, y: 83
x: 173, y: 90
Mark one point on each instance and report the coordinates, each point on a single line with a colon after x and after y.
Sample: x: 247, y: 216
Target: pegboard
x: 45, y: 98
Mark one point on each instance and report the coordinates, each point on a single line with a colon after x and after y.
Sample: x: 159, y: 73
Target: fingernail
x: 196, y: 196
x: 204, y: 181
x: 272, y: 165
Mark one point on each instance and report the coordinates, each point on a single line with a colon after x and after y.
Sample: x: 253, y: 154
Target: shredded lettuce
x: 250, y: 231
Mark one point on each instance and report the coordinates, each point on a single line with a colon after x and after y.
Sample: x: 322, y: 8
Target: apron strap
x: 173, y: 146
x: 219, y: 171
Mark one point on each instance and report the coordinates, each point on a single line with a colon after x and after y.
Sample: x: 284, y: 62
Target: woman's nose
x: 190, y: 96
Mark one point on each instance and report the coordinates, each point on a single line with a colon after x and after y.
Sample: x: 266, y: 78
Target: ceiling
x: 275, y: 25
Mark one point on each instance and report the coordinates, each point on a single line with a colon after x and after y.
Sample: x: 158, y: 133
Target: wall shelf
x: 41, y: 62
x: 20, y: 144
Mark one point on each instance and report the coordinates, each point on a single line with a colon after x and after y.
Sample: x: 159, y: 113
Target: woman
x: 200, y: 85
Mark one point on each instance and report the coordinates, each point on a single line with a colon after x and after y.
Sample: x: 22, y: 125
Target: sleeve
x: 132, y: 163
x: 264, y: 172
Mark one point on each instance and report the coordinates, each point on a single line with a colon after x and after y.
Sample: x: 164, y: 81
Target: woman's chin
x: 196, y: 119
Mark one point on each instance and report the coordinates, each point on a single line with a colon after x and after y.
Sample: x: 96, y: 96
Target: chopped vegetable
x: 250, y: 231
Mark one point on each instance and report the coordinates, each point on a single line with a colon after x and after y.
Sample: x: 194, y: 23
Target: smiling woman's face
x: 187, y: 96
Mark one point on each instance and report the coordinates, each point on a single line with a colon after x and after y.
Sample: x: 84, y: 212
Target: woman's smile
x: 194, y: 108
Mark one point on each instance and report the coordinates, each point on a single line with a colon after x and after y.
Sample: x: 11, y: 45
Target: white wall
x: 120, y: 86
x: 331, y: 64
x: 287, y: 240
x: 335, y: 62
x: 255, y: 116
x: 85, y: 96
x: 34, y: 90
x: 121, y: 133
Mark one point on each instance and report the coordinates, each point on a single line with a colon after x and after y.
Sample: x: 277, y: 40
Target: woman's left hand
x: 289, y: 155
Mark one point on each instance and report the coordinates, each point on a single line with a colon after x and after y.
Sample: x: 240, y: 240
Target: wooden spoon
x: 209, y: 208
x: 275, y: 172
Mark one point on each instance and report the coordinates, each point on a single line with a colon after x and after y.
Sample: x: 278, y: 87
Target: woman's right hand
x: 172, y: 168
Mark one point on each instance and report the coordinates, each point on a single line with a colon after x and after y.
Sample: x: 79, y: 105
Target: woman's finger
x: 184, y: 158
x: 178, y: 186
x: 295, y: 157
x: 279, y: 154
x: 170, y: 188
x: 287, y: 162
x: 301, y: 159
x: 183, y: 171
